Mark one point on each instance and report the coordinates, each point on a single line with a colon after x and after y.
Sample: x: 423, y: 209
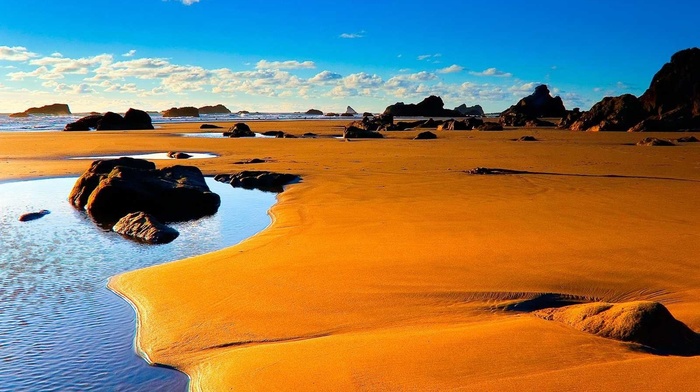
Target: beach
x: 388, y: 267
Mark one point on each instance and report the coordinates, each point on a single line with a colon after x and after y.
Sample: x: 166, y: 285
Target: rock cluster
x: 262, y: 180
x: 188, y: 111
x: 465, y: 110
x: 239, y: 130
x: 429, y: 107
x: 133, y: 119
x: 112, y: 189
x: 216, y: 109
x: 539, y: 104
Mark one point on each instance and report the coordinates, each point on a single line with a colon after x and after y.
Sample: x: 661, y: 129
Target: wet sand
x: 386, y: 267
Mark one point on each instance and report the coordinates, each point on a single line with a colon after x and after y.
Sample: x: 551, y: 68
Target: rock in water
x: 30, y: 216
x: 187, y: 111
x: 239, y: 130
x: 137, y: 119
x: 143, y: 227
x: 353, y: 132
x: 217, y: 109
x: 429, y: 107
x: 56, y: 109
x: 643, y: 322
x: 314, y: 112
x: 350, y: 111
x: 262, y: 180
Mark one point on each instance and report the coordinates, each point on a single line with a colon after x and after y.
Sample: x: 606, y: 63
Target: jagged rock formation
x: 611, y: 114
x: 56, y: 109
x: 465, y: 110
x: 429, y: 107
x: 187, y: 111
x: 217, y: 109
x: 539, y: 104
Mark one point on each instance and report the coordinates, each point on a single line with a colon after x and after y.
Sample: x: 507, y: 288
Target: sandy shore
x: 383, y: 269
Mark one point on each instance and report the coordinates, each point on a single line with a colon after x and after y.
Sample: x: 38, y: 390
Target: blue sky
x: 284, y: 56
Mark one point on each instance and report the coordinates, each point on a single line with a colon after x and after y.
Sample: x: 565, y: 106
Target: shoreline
x: 372, y: 255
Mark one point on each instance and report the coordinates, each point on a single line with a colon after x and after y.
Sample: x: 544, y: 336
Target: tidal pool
x: 61, y: 329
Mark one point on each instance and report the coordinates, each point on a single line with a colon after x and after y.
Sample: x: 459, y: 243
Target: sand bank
x: 383, y: 268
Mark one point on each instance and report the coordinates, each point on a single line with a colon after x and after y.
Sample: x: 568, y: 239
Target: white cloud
x: 15, y: 53
x: 189, y: 2
x: 429, y: 56
x: 325, y: 76
x: 492, y: 72
x: 454, y: 68
x: 361, y: 34
x: 290, y: 64
x: 130, y: 53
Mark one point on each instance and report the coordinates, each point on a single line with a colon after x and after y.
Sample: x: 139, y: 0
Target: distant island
x: 56, y: 109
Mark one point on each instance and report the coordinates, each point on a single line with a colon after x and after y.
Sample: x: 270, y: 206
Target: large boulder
x: 262, y: 180
x: 427, y: 135
x: 463, y: 125
x: 172, y: 194
x: 374, y: 123
x: 187, y: 111
x: 239, y: 130
x: 490, y: 126
x: 143, y: 227
x: 674, y: 93
x: 612, y: 114
x: 216, y: 109
x: 137, y: 119
x: 465, y: 110
x: 429, y: 107
x: 314, y: 112
x: 539, y: 104
x: 56, y: 109
x: 353, y: 132
x: 647, y: 323
x: 84, y: 124
x: 111, y: 122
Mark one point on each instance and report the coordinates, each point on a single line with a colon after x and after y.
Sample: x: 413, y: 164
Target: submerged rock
x: 209, y: 126
x: 30, y: 216
x: 262, y: 180
x: 143, y: 227
x: 646, y: 323
x: 527, y: 138
x: 178, y: 155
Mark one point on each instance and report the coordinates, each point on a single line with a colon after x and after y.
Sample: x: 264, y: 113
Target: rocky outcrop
x: 187, y: 111
x: 539, y: 104
x: 490, y: 126
x: 350, y: 111
x: 143, y: 227
x: 687, y: 139
x: 353, y: 132
x: 133, y: 119
x: 461, y: 125
x: 526, y: 138
x: 56, y: 109
x: 30, y: 216
x: 427, y: 135
x: 465, y: 110
x: 239, y: 130
x: 569, y: 118
x: 262, y: 180
x: 111, y: 189
x: 652, y: 141
x: 646, y: 323
x: 19, y: 115
x: 429, y: 107
x: 217, y: 109
x: 314, y: 112
x: 374, y: 123
x: 611, y: 114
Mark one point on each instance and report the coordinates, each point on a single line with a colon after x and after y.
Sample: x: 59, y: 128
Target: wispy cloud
x: 454, y: 68
x: 361, y: 34
x: 325, y: 76
x: 130, y: 53
x: 492, y: 72
x: 15, y: 53
x: 424, y: 57
x: 189, y: 2
x: 290, y: 64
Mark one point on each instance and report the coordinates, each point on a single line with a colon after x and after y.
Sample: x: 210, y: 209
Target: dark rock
x: 217, y: 109
x: 84, y: 124
x: 674, y: 93
x: 490, y: 126
x: 209, y: 126
x: 484, y: 171
x: 430, y: 123
x: 374, y: 123
x: 241, y: 112
x: 349, y: 112
x: 143, y: 227
x: 111, y: 122
x: 612, y: 114
x: 56, y: 109
x: 463, y: 125
x: 646, y: 323
x: 404, y: 125
x: 314, y: 112
x: 527, y: 138
x: 465, y: 110
x: 98, y: 171
x: 135, y: 119
x: 331, y: 114
x: 310, y: 135
x: 538, y: 104
x: 178, y: 155
x: 277, y: 134
x: 346, y: 115
x: 239, y: 130
x: 537, y: 123
x: 429, y: 107
x: 176, y: 193
x: 353, y: 132
x: 187, y: 111
x: 251, y: 161
x: 30, y: 216
x: 262, y: 180
x: 367, y: 114
x: 652, y: 141
x: 425, y: 136
x: 19, y: 115
x: 687, y: 139
x: 571, y: 117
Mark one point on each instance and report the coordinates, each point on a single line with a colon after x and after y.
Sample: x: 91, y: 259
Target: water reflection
x: 60, y: 328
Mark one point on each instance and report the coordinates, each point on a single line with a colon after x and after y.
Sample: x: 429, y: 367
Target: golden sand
x: 383, y: 269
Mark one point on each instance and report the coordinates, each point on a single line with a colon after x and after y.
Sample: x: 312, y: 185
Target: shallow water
x: 152, y: 156
x: 60, y: 328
